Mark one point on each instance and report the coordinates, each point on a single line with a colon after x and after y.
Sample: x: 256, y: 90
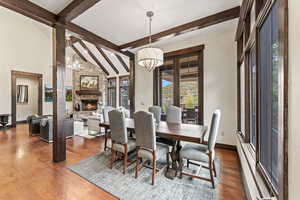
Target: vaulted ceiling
x: 122, y: 22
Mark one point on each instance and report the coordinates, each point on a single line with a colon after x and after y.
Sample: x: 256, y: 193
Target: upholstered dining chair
x: 156, y: 111
x: 107, y: 135
x: 145, y: 140
x: 203, y: 153
x: 174, y: 115
x: 120, y: 141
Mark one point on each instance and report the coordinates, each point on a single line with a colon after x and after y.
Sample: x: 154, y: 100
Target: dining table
x: 177, y: 132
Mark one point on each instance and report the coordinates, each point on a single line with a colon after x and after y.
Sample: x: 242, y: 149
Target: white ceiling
x: 54, y: 6
x: 122, y: 21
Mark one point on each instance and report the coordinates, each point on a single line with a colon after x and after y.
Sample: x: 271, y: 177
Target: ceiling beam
x: 75, y: 8
x: 44, y: 16
x: 91, y: 37
x: 30, y: 10
x: 122, y: 62
x: 78, y: 53
x: 191, y: 26
x: 93, y: 57
x: 107, y: 59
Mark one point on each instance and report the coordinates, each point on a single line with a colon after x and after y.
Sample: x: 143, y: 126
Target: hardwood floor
x: 28, y: 173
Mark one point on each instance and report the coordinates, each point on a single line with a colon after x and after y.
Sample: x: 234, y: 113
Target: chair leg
x: 188, y: 163
x: 180, y: 167
x: 112, y: 158
x: 105, y: 143
x: 214, y: 166
x: 154, y: 167
x: 137, y: 163
x: 125, y: 159
x: 168, y: 161
x: 211, y: 171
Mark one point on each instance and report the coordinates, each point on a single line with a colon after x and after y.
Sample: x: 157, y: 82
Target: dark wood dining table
x: 177, y: 132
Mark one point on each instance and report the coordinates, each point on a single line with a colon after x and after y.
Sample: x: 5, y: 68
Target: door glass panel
x: 253, y: 97
x: 167, y: 88
x: 189, y: 88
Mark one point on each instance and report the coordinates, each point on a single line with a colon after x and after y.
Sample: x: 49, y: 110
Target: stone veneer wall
x: 89, y: 69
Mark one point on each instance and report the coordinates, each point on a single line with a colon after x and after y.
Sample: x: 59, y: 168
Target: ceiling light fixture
x: 150, y: 57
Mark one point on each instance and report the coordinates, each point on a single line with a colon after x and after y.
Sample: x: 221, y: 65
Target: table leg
x: 172, y: 172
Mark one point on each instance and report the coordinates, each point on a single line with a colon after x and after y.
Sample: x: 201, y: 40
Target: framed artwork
x: 88, y: 82
x: 48, y: 93
x: 69, y: 93
x: 22, y: 94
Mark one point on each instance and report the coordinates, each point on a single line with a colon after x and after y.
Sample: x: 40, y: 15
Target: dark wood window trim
x: 14, y: 76
x: 112, y: 88
x: 120, y: 87
x: 262, y: 9
x: 176, y: 55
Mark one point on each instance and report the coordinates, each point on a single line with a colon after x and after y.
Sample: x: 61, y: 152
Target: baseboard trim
x: 224, y: 146
x: 22, y: 122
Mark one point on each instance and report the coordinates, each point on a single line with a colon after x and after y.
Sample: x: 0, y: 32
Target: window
x: 124, y: 91
x: 166, y: 84
x: 269, y: 131
x: 180, y: 83
x: 112, y: 86
x: 253, y: 89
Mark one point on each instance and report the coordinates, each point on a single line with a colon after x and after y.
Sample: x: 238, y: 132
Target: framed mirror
x: 22, y: 94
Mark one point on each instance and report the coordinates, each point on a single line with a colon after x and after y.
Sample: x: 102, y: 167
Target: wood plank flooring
x: 28, y: 173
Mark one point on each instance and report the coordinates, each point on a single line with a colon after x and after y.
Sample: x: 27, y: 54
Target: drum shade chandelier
x: 150, y: 57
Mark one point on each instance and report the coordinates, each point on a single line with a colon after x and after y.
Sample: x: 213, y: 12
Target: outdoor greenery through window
x: 178, y: 85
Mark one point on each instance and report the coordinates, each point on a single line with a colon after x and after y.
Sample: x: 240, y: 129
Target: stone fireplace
x: 88, y: 101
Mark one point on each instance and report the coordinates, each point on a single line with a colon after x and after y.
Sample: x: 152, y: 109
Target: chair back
x: 117, y: 127
x: 214, y: 130
x: 174, y: 114
x: 156, y: 111
x: 106, y: 110
x: 145, y: 130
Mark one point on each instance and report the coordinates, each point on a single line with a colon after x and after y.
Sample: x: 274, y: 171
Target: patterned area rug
x: 96, y: 170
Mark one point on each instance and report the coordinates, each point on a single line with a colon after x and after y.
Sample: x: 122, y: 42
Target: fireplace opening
x: 89, y: 105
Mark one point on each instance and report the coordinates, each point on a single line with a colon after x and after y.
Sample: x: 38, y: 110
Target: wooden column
x: 132, y: 82
x: 59, y: 103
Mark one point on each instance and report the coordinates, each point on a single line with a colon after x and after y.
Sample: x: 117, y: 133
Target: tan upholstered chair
x: 120, y: 141
x: 145, y: 140
x: 203, y: 153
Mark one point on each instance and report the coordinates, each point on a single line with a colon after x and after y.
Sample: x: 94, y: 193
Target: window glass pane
x: 269, y: 95
x: 112, y: 97
x: 167, y: 88
x: 189, y: 88
x: 124, y: 81
x: 253, y: 97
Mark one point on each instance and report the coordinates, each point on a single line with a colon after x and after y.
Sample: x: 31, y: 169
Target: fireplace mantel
x: 89, y: 92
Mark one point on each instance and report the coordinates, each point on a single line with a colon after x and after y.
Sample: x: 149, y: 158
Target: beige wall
x: 219, y: 75
x: 26, y: 45
x: 30, y: 108
x: 294, y: 97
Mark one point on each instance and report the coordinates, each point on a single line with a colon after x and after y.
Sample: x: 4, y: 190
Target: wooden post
x: 59, y: 103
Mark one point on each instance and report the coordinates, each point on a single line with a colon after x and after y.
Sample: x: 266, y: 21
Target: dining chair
x: 145, y: 140
x: 107, y: 135
x: 120, y: 141
x: 156, y: 111
x: 203, y: 153
x: 174, y: 115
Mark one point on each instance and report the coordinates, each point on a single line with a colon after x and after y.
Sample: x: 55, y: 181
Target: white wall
x: 294, y: 96
x: 31, y: 107
x: 26, y: 46
x: 219, y: 75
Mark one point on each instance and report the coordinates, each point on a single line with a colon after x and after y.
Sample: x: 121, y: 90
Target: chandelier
x: 150, y: 57
x: 73, y: 62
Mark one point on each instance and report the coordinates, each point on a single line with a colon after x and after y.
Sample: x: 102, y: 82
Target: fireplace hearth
x: 89, y: 105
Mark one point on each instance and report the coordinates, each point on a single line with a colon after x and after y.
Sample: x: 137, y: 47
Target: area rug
x: 95, y: 169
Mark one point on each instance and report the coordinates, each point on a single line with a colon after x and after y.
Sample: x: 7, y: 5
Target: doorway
x: 27, y: 95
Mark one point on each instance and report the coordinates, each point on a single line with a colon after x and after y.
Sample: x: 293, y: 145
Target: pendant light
x: 150, y: 57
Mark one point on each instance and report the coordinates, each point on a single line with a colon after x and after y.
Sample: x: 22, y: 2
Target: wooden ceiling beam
x: 91, y: 37
x: 122, y: 62
x: 188, y: 27
x: 107, y: 59
x: 30, y: 10
x: 93, y: 57
x: 78, y: 53
x: 75, y: 8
